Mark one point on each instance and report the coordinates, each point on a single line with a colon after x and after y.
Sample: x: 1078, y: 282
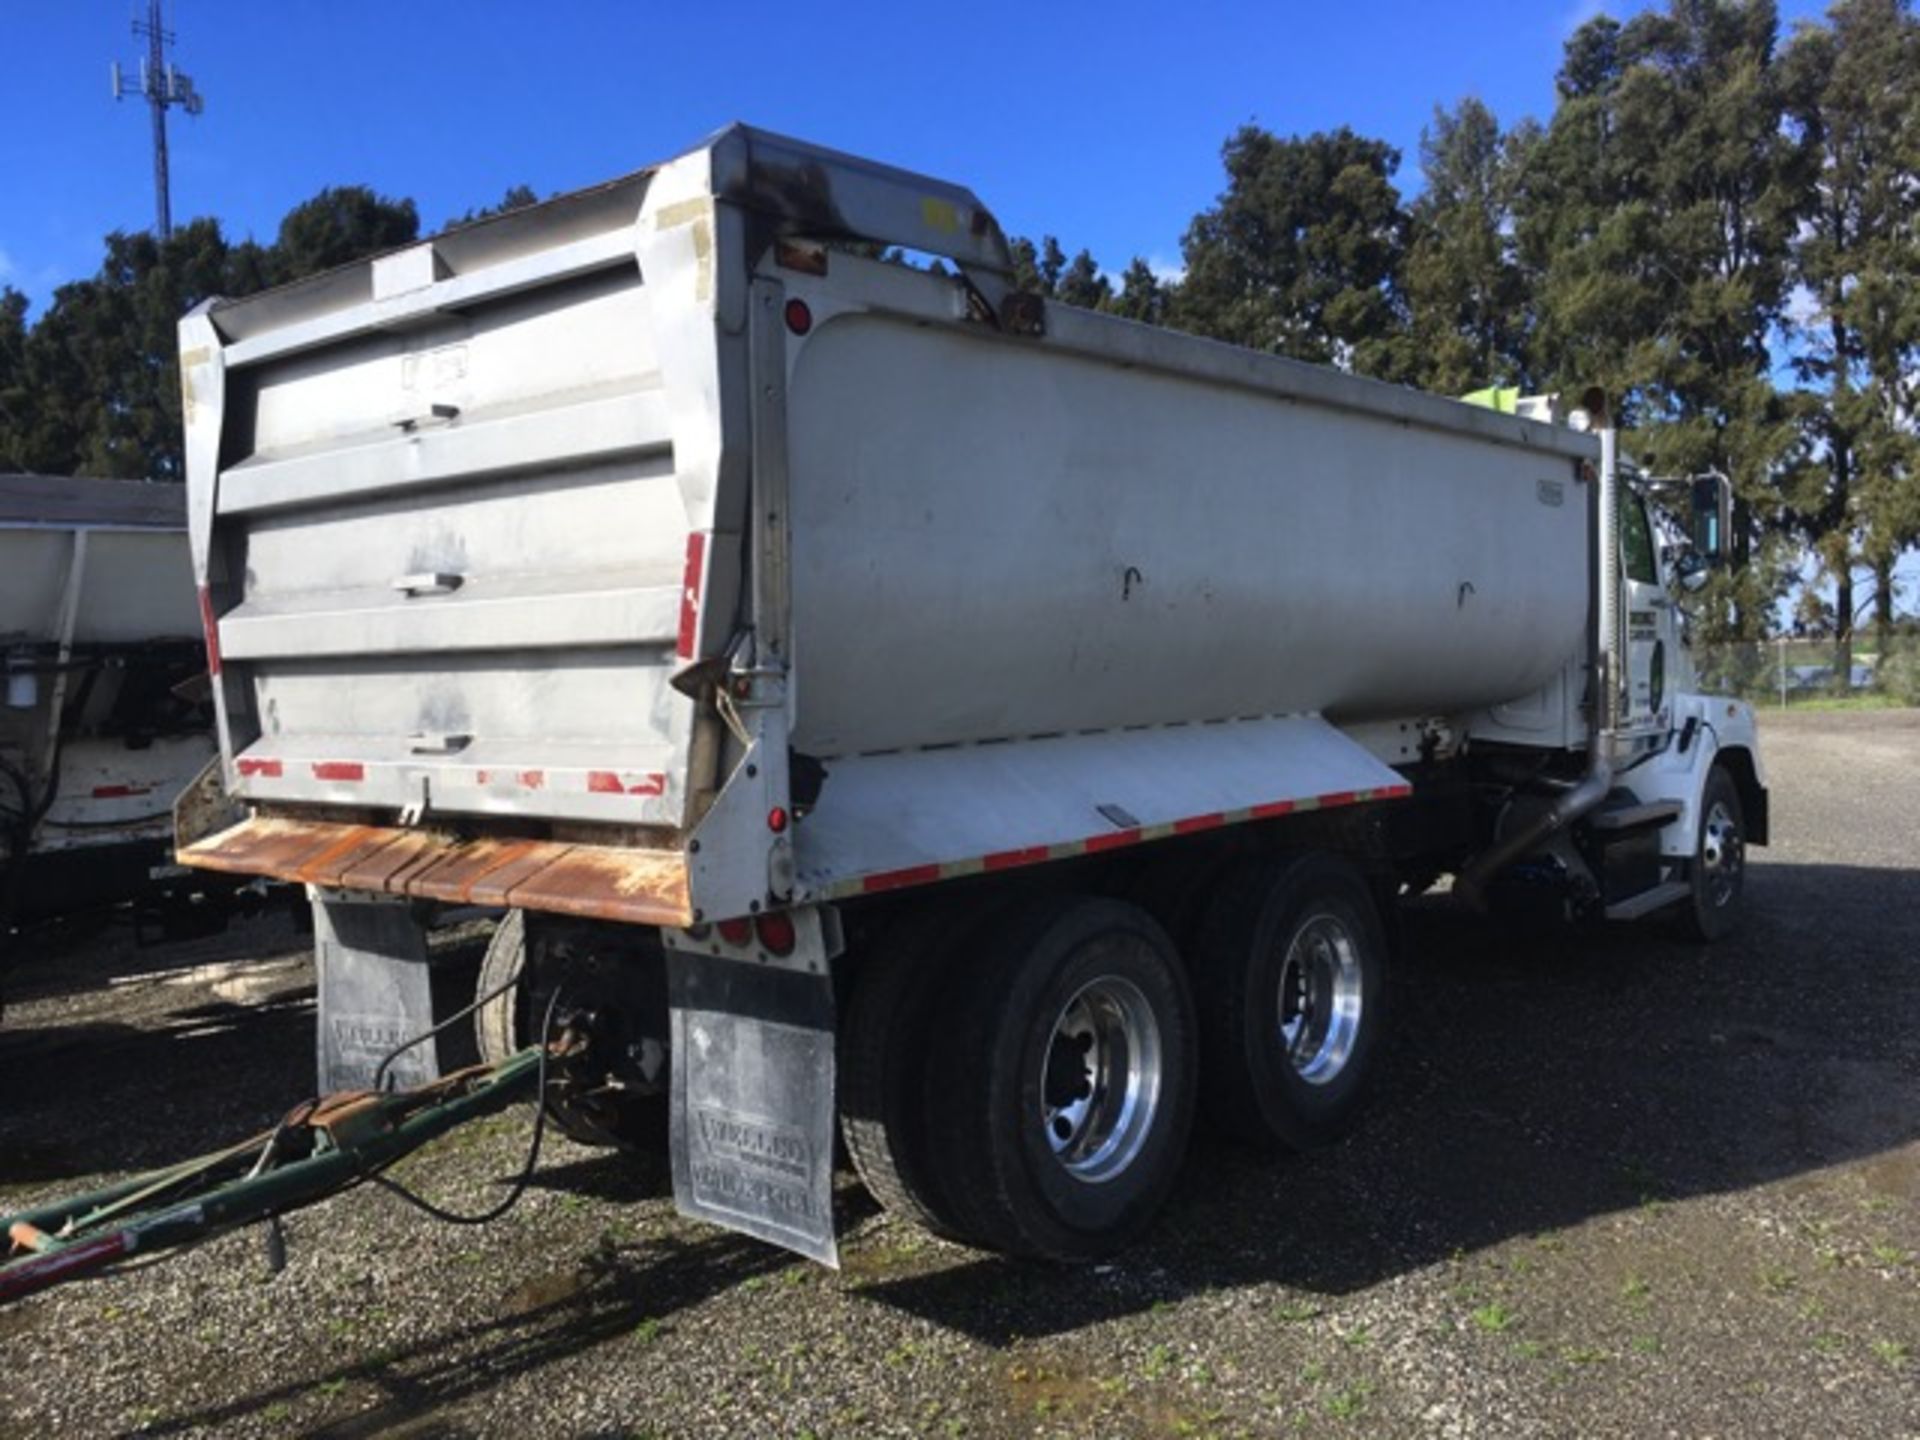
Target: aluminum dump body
x: 134, y: 583
x: 1116, y: 531
x: 638, y: 524
x: 97, y: 633
x: 448, y: 538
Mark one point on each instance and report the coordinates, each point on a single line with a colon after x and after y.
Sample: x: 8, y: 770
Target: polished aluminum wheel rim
x: 1100, y: 1088
x: 1320, y: 998
x: 1722, y: 853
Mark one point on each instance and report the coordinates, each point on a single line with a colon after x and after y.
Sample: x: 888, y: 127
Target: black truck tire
x: 1719, y: 867
x: 609, y: 1115
x: 1065, y: 1073
x: 884, y: 1072
x: 1290, y: 967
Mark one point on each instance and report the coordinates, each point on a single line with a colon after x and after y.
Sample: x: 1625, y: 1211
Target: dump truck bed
x: 659, y: 553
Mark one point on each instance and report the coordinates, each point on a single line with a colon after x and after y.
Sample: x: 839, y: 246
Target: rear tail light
x: 776, y: 932
x: 738, y: 931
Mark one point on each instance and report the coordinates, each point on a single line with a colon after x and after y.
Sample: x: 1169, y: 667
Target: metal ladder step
x: 1634, y: 817
x: 1647, y: 901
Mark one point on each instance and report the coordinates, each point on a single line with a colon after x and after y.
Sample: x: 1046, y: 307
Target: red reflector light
x: 777, y: 932
x: 799, y: 317
x: 737, y: 931
x: 777, y: 819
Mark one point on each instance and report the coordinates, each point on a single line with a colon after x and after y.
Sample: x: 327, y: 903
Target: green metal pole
x: 75, y: 1243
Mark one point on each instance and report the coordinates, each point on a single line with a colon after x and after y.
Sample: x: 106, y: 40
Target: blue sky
x: 1102, y: 126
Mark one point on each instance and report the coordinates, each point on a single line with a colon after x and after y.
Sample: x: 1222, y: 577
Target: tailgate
x: 448, y: 558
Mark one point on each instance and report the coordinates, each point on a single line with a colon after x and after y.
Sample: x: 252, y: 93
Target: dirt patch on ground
x: 1613, y: 1185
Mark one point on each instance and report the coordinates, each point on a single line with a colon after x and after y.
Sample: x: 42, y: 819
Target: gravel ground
x: 1613, y: 1185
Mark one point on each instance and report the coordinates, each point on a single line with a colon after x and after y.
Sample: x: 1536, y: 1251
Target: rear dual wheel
x: 1028, y: 1084
x: 885, y: 1038
x: 1290, y: 965
x: 1043, y: 1085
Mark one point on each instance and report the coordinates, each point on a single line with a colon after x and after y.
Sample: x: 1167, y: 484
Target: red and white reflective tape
x: 575, y: 782
x: 510, y: 779
x: 610, y: 782
x: 912, y: 875
x: 256, y: 767
x: 641, y: 783
x: 690, y: 586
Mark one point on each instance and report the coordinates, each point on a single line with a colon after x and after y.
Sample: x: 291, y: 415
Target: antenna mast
x: 161, y: 85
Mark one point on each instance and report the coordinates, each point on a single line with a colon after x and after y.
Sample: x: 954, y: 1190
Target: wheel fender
x: 1723, y: 731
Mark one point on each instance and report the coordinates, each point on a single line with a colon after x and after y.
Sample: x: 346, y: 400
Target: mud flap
x: 379, y: 988
x: 753, y: 1076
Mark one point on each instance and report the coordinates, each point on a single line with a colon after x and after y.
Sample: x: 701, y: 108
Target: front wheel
x: 1719, y: 862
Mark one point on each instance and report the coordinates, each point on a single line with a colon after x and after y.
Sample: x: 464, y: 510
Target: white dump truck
x: 100, y: 728
x: 879, y: 698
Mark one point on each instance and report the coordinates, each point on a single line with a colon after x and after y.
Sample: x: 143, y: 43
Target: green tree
x: 1026, y: 265
x: 1082, y: 284
x: 517, y: 197
x: 1654, y: 220
x: 13, y: 379
x: 101, y: 378
x: 1301, y: 253
x: 341, y: 224
x: 1044, y: 269
x: 1856, y: 258
x: 1053, y: 264
x: 94, y: 387
x: 1143, y: 295
x: 1590, y: 63
x: 1466, y: 294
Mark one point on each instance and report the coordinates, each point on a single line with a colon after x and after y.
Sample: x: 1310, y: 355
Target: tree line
x: 1717, y: 224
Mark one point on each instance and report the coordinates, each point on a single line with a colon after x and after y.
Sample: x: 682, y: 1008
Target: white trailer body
x: 97, y: 624
x: 652, y: 556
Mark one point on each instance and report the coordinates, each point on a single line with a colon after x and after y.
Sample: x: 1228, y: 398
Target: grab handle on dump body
x: 434, y: 743
x: 427, y: 582
x: 810, y: 190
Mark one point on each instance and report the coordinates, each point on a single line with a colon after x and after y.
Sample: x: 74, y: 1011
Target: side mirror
x: 1687, y: 566
x: 1712, y: 500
